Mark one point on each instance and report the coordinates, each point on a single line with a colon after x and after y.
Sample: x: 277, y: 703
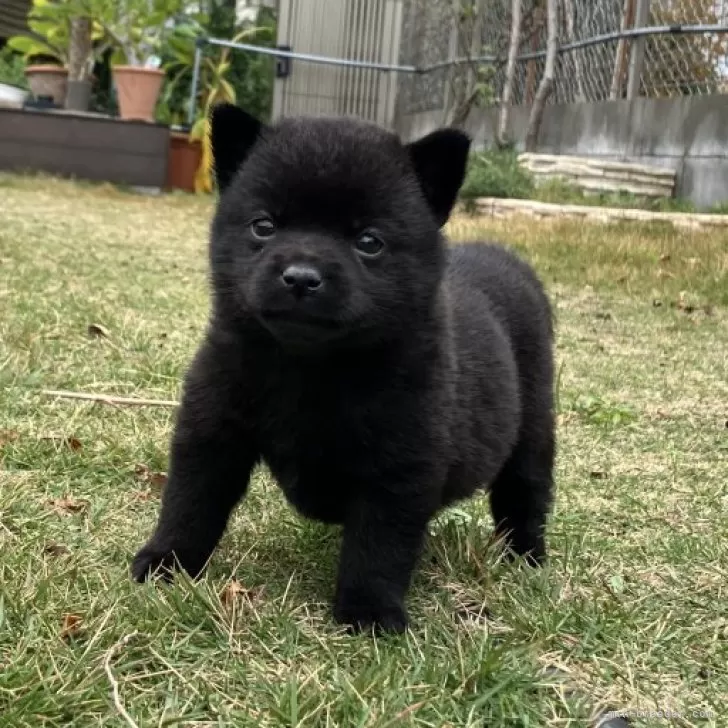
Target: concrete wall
x: 688, y: 134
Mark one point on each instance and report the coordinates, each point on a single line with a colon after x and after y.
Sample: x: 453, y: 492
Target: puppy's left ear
x: 233, y: 132
x: 440, y: 160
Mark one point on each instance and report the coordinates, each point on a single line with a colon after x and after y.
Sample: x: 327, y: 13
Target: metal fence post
x: 192, y: 108
x: 281, y: 83
x: 637, y: 52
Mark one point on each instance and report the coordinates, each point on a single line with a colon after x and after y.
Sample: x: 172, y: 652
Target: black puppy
x: 378, y: 373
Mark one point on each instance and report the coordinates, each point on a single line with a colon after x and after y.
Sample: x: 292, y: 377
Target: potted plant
x: 190, y: 160
x: 59, y: 34
x: 136, y: 29
x: 45, y: 48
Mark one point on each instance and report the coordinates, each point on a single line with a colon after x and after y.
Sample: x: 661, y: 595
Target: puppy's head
x: 328, y: 229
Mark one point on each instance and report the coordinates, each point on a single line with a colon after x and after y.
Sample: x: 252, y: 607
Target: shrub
x: 12, y: 68
x: 496, y: 173
x: 248, y: 76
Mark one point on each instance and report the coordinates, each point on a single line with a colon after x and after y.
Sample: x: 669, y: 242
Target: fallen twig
x: 113, y: 650
x: 109, y: 399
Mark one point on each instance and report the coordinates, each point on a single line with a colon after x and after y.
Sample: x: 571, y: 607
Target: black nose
x: 301, y: 278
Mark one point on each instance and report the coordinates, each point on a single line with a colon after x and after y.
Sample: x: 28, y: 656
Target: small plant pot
x: 48, y: 82
x: 137, y: 91
x: 78, y: 95
x: 184, y: 159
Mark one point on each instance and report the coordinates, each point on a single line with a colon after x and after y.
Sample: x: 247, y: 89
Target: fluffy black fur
x: 380, y: 374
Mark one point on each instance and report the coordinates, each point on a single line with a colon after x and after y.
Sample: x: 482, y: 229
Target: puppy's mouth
x: 297, y: 317
x: 300, y: 329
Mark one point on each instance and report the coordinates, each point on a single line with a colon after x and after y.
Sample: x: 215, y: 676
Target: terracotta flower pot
x: 48, y: 81
x: 137, y: 90
x: 184, y: 160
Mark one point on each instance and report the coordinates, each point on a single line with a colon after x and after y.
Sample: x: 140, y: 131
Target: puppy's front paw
x: 364, y: 612
x: 150, y: 561
x: 156, y: 560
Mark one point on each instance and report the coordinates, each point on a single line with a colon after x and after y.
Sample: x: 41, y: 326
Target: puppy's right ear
x: 439, y: 161
x: 232, y: 135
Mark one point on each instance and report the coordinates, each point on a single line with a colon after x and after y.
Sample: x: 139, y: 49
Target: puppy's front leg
x: 383, y: 535
x: 210, y: 463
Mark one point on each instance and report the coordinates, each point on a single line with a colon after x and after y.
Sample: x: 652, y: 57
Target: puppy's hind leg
x: 521, y: 496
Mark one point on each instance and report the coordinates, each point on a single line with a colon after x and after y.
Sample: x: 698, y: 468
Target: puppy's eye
x: 369, y: 245
x: 263, y: 228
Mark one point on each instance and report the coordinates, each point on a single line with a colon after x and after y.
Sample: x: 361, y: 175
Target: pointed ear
x: 232, y: 135
x: 440, y: 160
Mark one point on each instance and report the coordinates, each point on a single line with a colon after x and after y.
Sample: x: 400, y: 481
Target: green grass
x: 631, y: 612
x: 563, y: 193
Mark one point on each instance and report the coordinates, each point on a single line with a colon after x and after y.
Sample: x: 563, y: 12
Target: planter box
x: 86, y: 146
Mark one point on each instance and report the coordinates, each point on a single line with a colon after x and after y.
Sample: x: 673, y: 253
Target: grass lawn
x: 632, y: 611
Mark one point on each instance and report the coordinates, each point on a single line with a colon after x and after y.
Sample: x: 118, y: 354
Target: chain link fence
x: 589, y: 68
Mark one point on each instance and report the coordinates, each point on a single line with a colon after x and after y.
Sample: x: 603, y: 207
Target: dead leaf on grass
x: 71, y: 626
x: 7, y: 436
x: 55, y: 549
x: 235, y: 591
x: 97, y: 331
x: 68, y: 504
x: 73, y: 443
x: 156, y: 480
x: 683, y: 304
x: 564, y: 418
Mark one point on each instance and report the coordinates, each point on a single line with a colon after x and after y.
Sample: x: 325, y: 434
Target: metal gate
x: 356, y: 30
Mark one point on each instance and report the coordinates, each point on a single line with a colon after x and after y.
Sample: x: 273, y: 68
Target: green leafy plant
x: 214, y: 85
x: 250, y: 74
x: 496, y: 173
x: 136, y: 29
x: 12, y: 68
x: 49, y: 32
